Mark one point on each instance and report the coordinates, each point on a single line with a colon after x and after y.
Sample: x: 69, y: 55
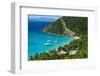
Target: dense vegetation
x: 75, y: 24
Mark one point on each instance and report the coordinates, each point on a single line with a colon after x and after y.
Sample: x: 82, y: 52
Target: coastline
x: 54, y: 34
x: 75, y: 37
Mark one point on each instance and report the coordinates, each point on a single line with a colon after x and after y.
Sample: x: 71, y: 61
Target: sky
x: 43, y: 18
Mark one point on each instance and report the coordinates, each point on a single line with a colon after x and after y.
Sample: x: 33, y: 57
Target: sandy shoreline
x: 75, y: 37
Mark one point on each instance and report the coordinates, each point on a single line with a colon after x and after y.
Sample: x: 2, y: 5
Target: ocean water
x: 39, y: 41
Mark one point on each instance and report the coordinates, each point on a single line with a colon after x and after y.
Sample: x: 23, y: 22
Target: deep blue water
x: 39, y: 41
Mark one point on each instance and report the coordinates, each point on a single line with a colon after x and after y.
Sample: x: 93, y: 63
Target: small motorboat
x: 47, y: 44
x: 48, y: 41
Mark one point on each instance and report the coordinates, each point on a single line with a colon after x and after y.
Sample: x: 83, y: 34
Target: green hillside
x: 77, y: 24
x: 74, y: 26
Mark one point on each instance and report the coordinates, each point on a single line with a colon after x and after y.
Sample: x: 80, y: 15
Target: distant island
x: 67, y: 26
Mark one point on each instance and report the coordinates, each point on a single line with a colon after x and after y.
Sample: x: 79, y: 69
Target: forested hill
x: 68, y: 26
x: 77, y: 24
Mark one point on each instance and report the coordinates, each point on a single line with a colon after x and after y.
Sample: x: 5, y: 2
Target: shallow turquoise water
x: 39, y: 42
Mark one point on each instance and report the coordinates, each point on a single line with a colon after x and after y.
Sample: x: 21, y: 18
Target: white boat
x: 47, y: 43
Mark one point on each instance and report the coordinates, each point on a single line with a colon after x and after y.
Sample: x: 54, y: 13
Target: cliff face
x: 59, y: 27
